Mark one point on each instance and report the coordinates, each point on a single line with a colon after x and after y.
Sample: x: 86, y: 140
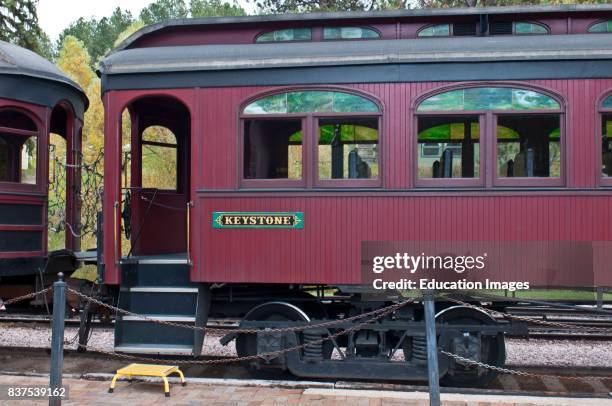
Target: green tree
x: 308, y: 6
x: 19, y: 25
x: 163, y: 10
x: 490, y: 3
x: 214, y: 8
x: 98, y: 35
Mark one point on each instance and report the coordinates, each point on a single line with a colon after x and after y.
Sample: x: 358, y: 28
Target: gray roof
x: 360, y: 15
x: 305, y: 54
x: 15, y: 60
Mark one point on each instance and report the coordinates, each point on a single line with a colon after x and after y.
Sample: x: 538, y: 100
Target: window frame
x: 348, y: 182
x: 601, y: 112
x: 40, y: 184
x: 546, y: 28
x: 449, y: 182
x: 276, y: 182
x: 607, y: 21
x: 310, y: 140
x: 259, y: 34
x: 143, y: 142
x: 363, y: 27
x: 488, y: 139
x: 526, y: 181
x: 450, y: 31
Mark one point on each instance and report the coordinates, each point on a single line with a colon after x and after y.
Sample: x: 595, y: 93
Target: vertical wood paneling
x: 327, y: 250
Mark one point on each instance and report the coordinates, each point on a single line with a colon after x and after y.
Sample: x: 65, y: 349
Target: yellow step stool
x: 160, y: 371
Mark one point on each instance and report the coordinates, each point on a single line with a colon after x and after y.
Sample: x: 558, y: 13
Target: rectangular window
x: 18, y: 158
x: 159, y: 159
x: 272, y: 149
x: 449, y: 147
x: 528, y: 146
x: 606, y: 151
x: 348, y: 148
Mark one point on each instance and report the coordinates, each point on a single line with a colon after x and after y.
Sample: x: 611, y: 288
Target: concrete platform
x: 93, y: 391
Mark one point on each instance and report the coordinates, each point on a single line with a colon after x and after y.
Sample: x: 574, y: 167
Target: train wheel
x: 246, y: 344
x: 487, y: 349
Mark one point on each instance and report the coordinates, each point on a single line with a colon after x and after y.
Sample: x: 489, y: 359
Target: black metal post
x: 600, y: 297
x: 57, y: 338
x: 432, y: 350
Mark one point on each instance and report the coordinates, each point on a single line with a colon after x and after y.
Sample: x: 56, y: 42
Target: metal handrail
x: 115, y: 242
x: 189, y: 205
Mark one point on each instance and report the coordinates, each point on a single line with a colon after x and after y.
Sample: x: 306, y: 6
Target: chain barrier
x: 26, y: 296
x: 496, y: 313
x: 238, y: 331
x: 268, y: 355
x: 520, y: 373
x: 375, y: 316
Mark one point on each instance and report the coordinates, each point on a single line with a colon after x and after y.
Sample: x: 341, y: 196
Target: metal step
x: 156, y: 289
x: 164, y: 349
x: 174, y: 319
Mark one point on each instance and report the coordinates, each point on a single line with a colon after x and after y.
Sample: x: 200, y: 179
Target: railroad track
x: 579, y: 318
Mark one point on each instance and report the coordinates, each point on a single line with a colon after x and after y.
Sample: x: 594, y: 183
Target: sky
x: 55, y: 15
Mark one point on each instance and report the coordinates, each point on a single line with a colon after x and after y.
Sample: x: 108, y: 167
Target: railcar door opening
x: 155, y: 177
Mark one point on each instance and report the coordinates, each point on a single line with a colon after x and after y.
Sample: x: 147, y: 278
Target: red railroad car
x: 36, y: 99
x: 266, y: 150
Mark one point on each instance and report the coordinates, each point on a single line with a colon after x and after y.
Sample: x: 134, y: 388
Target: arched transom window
x: 523, y: 125
x: 311, y: 138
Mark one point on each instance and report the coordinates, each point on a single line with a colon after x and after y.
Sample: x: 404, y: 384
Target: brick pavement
x: 88, y: 392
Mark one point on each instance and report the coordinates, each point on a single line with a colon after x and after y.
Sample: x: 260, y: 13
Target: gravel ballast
x: 520, y: 352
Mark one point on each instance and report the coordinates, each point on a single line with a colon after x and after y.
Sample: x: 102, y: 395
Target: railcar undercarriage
x: 390, y: 348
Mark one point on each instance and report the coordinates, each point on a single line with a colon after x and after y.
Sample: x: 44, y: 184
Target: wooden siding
x: 327, y: 250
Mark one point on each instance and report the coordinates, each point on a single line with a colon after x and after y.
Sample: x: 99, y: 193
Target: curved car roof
x: 337, y: 53
x: 356, y: 16
x: 27, y: 76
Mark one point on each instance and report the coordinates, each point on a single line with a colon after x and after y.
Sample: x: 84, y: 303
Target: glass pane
x: 488, y: 98
x: 440, y: 30
x: 605, y: 26
x: 159, y: 162
x: 607, y: 103
x: 529, y: 28
x: 448, y: 147
x: 275, y: 104
x: 349, y: 33
x: 159, y: 134
x: 530, y: 100
x: 272, y: 149
x: 290, y: 34
x: 346, y: 103
x: 348, y: 148
x: 452, y: 100
x: 28, y: 161
x: 606, y: 151
x: 536, y: 152
x: 311, y: 101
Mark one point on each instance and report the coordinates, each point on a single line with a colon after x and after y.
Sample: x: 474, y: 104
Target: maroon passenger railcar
x: 292, y: 139
x: 36, y: 99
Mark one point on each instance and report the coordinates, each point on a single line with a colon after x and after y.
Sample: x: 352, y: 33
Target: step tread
x: 161, y: 289
x: 174, y: 349
x: 162, y: 317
